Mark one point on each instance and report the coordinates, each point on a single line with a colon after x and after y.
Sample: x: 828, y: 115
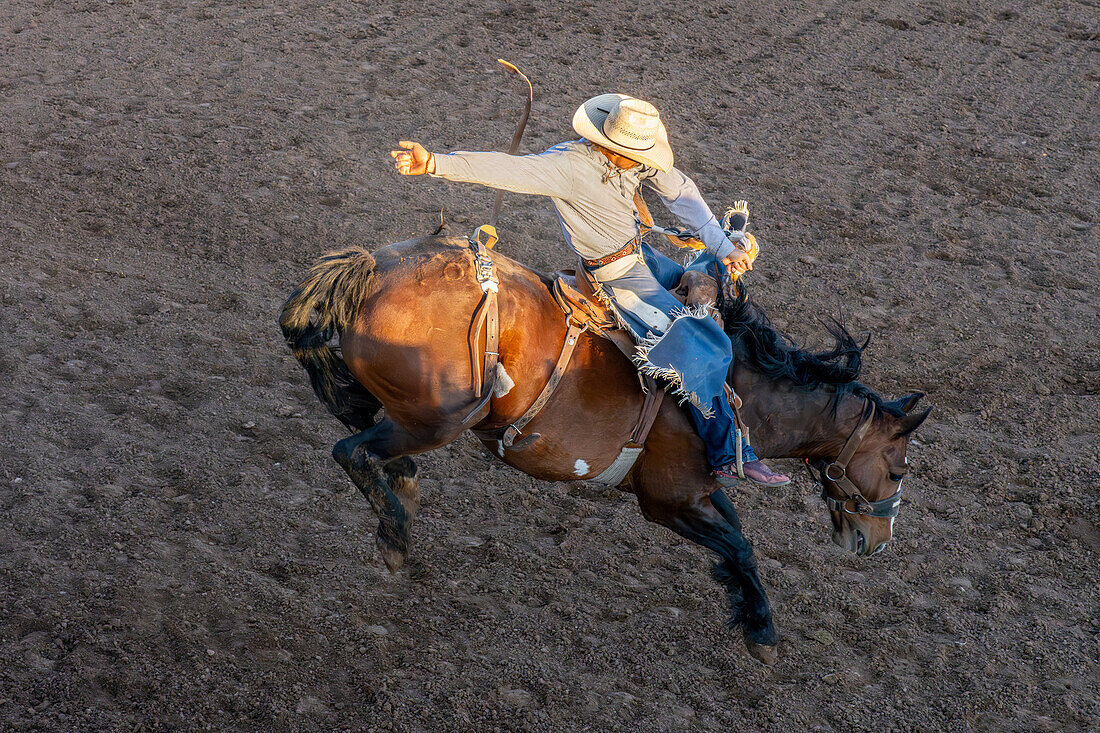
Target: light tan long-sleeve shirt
x: 594, y: 199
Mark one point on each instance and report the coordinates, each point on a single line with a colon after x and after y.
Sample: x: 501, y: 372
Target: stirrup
x: 740, y: 456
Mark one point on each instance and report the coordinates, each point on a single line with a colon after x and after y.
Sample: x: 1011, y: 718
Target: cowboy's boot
x: 755, y: 470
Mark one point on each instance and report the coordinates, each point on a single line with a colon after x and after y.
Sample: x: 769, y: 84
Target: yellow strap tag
x: 487, y: 235
x: 753, y: 248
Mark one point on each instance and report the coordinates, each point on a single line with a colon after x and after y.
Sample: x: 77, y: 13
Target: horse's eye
x: 896, y: 476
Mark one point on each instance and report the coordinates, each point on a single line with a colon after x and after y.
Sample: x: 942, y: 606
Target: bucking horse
x: 393, y: 345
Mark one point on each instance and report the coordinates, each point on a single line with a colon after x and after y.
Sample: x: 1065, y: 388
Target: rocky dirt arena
x: 179, y: 552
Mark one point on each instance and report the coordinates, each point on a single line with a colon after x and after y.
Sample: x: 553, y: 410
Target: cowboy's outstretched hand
x: 414, y: 160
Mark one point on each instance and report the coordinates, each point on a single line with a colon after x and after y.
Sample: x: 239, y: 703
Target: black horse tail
x: 323, y: 305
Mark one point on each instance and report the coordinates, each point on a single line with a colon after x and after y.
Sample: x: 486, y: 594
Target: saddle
x: 581, y: 305
x: 582, y: 299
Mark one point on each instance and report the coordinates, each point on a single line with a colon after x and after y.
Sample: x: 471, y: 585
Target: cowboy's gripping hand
x: 738, y: 262
x: 414, y: 160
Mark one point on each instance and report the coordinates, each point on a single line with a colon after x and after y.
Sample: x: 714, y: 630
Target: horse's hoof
x: 394, y: 559
x: 764, y: 653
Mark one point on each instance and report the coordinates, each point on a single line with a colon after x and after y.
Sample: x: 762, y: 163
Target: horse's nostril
x: 860, y: 542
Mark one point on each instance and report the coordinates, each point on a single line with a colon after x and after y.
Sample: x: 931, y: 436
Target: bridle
x: 837, y: 474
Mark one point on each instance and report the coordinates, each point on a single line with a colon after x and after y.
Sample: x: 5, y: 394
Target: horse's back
x: 408, y: 344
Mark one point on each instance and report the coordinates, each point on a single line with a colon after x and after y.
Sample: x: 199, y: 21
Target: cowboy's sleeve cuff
x: 724, y: 250
x: 443, y: 165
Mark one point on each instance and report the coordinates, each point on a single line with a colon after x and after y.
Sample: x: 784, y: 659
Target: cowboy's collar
x: 613, y: 171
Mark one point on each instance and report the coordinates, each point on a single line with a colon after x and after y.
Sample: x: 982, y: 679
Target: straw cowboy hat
x: 627, y: 126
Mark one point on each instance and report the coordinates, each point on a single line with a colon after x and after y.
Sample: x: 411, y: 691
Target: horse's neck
x: 790, y: 423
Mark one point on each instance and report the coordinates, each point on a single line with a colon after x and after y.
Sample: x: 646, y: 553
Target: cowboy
x: 592, y: 183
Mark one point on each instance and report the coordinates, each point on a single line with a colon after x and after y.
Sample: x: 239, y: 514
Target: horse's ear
x: 911, y: 422
x: 907, y: 403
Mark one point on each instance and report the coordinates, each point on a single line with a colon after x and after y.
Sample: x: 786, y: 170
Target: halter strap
x: 837, y: 472
x: 850, y: 447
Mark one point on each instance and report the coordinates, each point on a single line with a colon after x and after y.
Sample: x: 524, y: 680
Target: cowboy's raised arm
x: 680, y: 194
x: 544, y: 174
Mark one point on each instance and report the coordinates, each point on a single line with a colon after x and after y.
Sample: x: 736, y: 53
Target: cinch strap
x: 514, y: 430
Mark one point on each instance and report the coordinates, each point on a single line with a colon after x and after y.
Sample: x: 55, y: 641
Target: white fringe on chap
x: 645, y: 366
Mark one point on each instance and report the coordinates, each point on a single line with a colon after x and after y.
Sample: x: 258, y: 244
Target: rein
x: 837, y: 473
x: 517, y: 136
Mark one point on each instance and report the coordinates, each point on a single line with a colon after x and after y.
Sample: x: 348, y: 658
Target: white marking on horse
x: 504, y: 382
x: 580, y: 467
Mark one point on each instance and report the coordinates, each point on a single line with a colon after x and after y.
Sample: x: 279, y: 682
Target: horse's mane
x: 775, y: 355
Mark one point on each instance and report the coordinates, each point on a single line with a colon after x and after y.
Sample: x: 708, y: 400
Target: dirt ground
x: 179, y: 552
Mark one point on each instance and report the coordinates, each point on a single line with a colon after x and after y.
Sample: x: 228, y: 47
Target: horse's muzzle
x: 855, y: 541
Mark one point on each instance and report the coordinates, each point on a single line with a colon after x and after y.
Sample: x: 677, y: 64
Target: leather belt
x: 628, y: 249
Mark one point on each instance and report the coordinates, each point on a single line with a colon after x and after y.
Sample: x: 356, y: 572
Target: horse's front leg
x: 389, y: 483
x: 713, y: 523
x: 756, y: 620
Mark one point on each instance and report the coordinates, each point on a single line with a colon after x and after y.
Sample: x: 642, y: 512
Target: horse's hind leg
x: 390, y: 485
x: 714, y: 524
